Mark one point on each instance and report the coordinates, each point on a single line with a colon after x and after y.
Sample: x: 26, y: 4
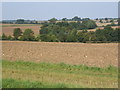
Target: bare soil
x: 91, y: 54
x: 9, y: 30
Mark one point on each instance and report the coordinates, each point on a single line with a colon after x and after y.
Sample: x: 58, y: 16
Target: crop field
x: 59, y: 65
x: 8, y: 28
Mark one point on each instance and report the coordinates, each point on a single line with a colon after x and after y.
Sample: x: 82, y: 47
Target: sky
x: 59, y: 10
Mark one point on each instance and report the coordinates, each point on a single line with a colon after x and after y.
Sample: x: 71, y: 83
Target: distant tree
x: 9, y: 37
x: 85, y: 19
x: 101, y: 21
x: 112, y: 21
x: 28, y: 35
x: 53, y: 20
x: 4, y: 37
x: 72, y: 37
x: 76, y: 18
x: 20, y: 21
x: 17, y: 33
x: 100, y: 35
x: 82, y: 36
x: 96, y: 19
x: 48, y: 38
x: 108, y: 27
x: 89, y: 24
x: 106, y: 19
x: 64, y: 19
x: 113, y: 24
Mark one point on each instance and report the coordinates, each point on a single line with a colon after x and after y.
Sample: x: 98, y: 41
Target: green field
x: 21, y: 74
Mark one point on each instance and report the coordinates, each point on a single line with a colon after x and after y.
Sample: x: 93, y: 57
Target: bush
x: 4, y: 37
x: 28, y: 35
x: 17, y: 33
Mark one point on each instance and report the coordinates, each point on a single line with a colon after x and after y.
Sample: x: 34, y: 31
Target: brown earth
x: 90, y: 54
x: 9, y: 29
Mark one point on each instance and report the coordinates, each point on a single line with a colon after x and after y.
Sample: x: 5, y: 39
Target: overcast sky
x: 47, y: 10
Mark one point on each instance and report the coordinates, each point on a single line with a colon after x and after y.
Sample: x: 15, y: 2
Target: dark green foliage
x: 82, y: 36
x: 76, y: 18
x: 101, y: 21
x: 64, y: 19
x: 28, y: 35
x: 53, y: 20
x: 89, y: 24
x: 72, y: 36
x: 17, y: 33
x: 4, y: 37
x: 20, y: 21
x: 64, y: 31
x: 10, y: 37
x: 48, y: 38
x: 68, y: 32
x: 107, y: 34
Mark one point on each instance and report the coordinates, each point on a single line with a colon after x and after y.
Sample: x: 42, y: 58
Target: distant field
x: 114, y: 27
x: 20, y: 74
x: 104, y: 24
x: 90, y: 54
x: 8, y: 28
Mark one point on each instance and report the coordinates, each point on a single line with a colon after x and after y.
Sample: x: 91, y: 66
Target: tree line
x: 67, y: 32
x: 77, y: 32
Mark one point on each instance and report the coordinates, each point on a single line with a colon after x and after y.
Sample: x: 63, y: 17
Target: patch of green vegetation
x: 60, y: 67
x: 60, y: 75
x: 12, y: 83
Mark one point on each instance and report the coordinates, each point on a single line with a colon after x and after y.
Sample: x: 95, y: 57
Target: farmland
x: 39, y: 64
x: 90, y: 54
x: 8, y: 28
x: 47, y: 75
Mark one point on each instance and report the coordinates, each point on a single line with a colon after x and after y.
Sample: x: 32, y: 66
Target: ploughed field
x: 90, y: 54
x: 9, y: 28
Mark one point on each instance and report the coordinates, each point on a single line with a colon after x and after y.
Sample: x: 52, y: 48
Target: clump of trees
x: 67, y: 32
x: 17, y: 33
x: 77, y: 32
x: 27, y: 35
x: 76, y: 18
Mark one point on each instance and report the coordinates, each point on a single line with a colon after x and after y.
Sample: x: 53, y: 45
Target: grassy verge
x: 48, y: 75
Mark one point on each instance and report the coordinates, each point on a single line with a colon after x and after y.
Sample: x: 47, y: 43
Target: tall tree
x: 20, y: 21
x: 17, y: 32
x: 4, y: 37
x: 53, y: 20
x: 28, y: 35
